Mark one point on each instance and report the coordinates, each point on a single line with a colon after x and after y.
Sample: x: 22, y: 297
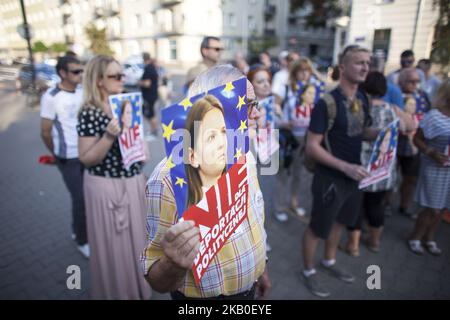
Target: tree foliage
x: 440, y: 51
x: 59, y: 47
x: 98, y: 40
x: 321, y: 11
x: 39, y: 46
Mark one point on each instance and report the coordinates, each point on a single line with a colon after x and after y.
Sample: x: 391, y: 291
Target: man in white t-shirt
x: 281, y: 78
x: 59, y: 112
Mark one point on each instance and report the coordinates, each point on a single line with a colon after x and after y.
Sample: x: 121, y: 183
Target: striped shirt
x: 239, y: 263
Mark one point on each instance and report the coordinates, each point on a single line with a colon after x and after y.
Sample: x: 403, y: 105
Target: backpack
x: 288, y: 145
x: 310, y: 163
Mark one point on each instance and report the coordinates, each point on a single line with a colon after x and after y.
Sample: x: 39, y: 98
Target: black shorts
x: 409, y: 165
x: 335, y: 199
x: 148, y: 109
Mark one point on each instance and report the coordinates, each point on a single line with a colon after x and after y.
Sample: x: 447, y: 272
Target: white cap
x: 283, y: 54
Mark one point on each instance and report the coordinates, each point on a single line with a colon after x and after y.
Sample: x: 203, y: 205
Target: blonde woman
x: 296, y: 117
x: 115, y: 199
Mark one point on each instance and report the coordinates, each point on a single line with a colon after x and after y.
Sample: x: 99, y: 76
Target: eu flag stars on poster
x: 318, y: 85
x: 233, y: 97
x: 383, y: 155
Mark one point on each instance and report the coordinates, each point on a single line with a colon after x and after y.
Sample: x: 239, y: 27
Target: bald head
x: 408, y: 80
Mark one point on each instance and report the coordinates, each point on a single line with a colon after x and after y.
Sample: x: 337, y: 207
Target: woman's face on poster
x: 210, y: 150
x: 261, y: 84
x: 309, y: 95
x: 127, y: 116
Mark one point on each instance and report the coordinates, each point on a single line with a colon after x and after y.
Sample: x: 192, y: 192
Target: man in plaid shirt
x: 239, y: 269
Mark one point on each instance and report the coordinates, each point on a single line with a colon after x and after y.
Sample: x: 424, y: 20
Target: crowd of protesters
x: 129, y: 229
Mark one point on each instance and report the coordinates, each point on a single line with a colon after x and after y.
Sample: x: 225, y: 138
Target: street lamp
x: 26, y: 29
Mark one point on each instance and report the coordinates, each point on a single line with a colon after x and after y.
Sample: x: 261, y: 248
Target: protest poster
x: 127, y: 108
x: 416, y: 104
x: 306, y: 97
x: 265, y: 141
x: 219, y: 209
x: 383, y: 155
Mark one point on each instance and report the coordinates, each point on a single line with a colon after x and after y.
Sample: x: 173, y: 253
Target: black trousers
x: 373, y: 209
x: 247, y: 295
x: 72, y: 172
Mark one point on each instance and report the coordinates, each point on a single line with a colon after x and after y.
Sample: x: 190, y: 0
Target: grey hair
x: 404, y: 74
x: 214, y: 77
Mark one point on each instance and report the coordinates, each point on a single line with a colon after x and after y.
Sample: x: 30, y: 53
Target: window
x: 313, y: 50
x: 231, y: 20
x: 381, y: 42
x: 384, y: 1
x: 173, y: 49
x: 251, y: 23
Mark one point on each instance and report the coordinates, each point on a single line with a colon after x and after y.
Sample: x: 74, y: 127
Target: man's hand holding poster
x: 383, y: 155
x: 206, y: 141
x: 265, y: 141
x: 128, y: 109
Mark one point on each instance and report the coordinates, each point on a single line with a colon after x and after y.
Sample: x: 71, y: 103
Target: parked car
x: 46, y: 77
x: 133, y: 73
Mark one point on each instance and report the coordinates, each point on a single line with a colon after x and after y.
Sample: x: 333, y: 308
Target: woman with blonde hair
x: 115, y: 199
x: 433, y: 187
x: 296, y: 115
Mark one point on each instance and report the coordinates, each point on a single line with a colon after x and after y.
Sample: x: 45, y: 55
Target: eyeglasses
x: 413, y: 81
x: 217, y: 49
x: 252, y: 103
x: 117, y: 77
x: 76, y: 71
x: 411, y: 61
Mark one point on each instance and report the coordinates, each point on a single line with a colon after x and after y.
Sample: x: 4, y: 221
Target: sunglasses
x: 117, y: 77
x: 76, y: 71
x: 413, y: 81
x: 252, y: 103
x: 407, y: 61
x: 217, y: 49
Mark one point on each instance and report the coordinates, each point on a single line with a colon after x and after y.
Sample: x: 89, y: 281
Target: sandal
x: 372, y: 248
x: 433, y: 248
x: 351, y: 252
x: 416, y: 247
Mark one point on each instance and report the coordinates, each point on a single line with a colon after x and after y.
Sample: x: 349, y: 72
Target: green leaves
x: 99, y: 42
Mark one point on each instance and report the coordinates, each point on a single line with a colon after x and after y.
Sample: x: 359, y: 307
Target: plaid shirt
x: 239, y: 263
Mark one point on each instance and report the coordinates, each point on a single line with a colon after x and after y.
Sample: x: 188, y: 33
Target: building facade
x: 388, y: 27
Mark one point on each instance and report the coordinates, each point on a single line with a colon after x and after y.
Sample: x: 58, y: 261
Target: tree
x: 320, y: 11
x: 59, y: 47
x: 99, y: 42
x: 39, y: 46
x: 440, y: 50
x: 258, y: 45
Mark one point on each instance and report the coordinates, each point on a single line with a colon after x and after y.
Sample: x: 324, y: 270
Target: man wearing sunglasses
x: 59, y: 111
x: 211, y: 50
x: 406, y: 61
